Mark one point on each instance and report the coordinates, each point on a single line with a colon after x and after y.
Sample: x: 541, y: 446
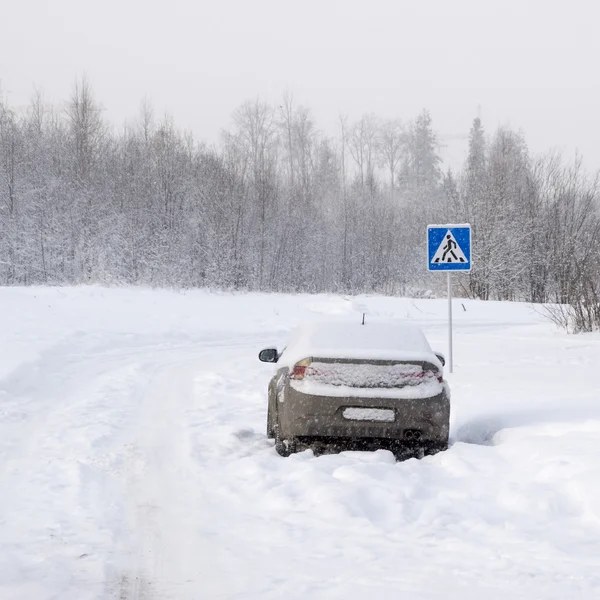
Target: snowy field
x: 134, y: 462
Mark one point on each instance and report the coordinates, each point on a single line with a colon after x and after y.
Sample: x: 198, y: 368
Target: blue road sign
x: 449, y: 247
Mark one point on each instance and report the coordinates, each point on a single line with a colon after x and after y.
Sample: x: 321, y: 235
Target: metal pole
x: 450, y: 361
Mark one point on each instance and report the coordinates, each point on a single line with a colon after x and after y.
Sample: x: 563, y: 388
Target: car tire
x: 271, y: 411
x: 270, y: 422
x: 284, y: 447
x: 318, y: 448
x: 418, y: 452
x: 435, y: 448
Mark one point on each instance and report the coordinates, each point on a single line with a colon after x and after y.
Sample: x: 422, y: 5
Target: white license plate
x: 384, y: 415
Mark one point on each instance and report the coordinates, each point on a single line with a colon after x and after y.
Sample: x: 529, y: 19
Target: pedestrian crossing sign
x: 449, y: 247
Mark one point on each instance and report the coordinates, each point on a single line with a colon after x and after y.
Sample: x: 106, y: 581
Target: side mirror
x: 269, y: 355
x: 441, y: 358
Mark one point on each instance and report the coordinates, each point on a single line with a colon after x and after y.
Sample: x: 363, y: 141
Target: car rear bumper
x: 308, y: 416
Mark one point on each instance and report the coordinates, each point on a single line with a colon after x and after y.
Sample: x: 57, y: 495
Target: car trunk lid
x: 366, y: 374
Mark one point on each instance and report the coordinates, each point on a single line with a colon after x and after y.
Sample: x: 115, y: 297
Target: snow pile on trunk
x: 368, y: 375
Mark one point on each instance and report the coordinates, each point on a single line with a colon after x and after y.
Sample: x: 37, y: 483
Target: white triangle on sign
x: 449, y: 251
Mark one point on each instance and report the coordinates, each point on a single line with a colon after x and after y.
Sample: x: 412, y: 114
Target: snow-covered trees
x: 535, y: 224
x: 278, y: 205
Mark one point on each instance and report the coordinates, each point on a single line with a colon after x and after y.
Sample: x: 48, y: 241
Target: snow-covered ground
x: 134, y: 462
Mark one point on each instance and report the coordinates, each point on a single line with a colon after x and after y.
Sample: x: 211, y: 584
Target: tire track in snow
x: 164, y: 553
x: 156, y: 484
x: 74, y: 421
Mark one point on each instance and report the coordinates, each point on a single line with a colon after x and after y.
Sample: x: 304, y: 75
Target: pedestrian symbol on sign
x: 449, y: 251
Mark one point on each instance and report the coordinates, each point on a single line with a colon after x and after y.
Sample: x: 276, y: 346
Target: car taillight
x: 298, y: 372
x: 438, y: 375
x: 299, y: 369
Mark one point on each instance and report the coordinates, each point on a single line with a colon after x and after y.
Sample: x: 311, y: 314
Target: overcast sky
x: 530, y: 64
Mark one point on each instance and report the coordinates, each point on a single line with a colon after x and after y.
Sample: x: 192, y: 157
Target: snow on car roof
x: 381, y: 340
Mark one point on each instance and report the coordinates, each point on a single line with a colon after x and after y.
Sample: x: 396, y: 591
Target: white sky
x: 530, y: 64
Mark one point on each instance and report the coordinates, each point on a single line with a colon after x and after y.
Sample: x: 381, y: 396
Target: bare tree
x: 257, y: 132
x: 286, y: 112
x: 87, y: 129
x: 363, y: 146
x: 392, y: 146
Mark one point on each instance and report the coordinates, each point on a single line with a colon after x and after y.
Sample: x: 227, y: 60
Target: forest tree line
x: 279, y: 206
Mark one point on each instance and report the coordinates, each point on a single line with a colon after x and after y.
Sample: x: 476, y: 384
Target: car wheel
x: 405, y: 452
x: 270, y: 421
x: 271, y: 411
x: 435, y: 448
x: 318, y: 448
x: 284, y: 447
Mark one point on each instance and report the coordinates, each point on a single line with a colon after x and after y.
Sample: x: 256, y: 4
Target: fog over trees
x: 279, y: 206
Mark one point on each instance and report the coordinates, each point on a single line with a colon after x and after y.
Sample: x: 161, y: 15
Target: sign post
x: 449, y: 249
x: 450, y: 357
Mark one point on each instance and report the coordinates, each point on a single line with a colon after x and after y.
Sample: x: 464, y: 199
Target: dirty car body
x: 351, y: 386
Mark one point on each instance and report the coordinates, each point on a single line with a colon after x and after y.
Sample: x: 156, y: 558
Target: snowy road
x: 134, y: 465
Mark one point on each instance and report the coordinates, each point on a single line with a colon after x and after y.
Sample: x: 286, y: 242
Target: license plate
x: 383, y: 415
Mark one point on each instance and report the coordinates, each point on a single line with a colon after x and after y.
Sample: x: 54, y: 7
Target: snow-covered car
x: 346, y: 385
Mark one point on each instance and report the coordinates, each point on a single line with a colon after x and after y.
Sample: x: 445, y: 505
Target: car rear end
x: 367, y: 403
